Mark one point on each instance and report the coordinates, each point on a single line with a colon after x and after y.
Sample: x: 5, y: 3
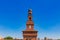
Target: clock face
x: 29, y: 26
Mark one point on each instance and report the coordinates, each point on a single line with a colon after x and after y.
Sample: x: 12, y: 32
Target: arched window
x: 26, y: 39
x: 29, y: 39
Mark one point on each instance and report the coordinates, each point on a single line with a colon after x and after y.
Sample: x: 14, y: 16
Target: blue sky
x: 46, y: 17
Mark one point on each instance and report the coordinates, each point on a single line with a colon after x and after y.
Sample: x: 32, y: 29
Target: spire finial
x: 30, y: 11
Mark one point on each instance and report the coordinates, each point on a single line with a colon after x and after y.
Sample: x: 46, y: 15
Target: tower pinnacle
x: 30, y: 11
x: 30, y: 14
x: 30, y: 24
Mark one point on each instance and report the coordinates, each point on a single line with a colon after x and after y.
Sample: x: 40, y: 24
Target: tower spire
x: 30, y: 14
x: 30, y: 24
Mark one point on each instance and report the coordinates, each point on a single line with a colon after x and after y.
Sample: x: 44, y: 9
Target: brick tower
x: 29, y: 33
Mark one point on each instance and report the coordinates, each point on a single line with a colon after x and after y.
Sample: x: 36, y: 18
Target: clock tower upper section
x: 29, y: 33
x: 30, y: 24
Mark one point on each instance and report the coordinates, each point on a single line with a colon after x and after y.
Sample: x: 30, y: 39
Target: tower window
x: 29, y: 14
x: 29, y: 39
x: 26, y: 39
